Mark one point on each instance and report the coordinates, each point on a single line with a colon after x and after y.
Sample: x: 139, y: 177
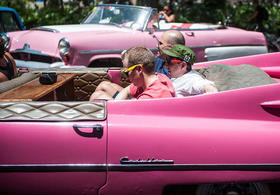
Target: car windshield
x: 127, y: 16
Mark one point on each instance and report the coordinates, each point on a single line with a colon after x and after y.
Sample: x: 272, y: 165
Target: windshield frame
x: 149, y: 11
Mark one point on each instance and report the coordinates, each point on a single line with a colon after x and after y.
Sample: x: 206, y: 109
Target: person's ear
x: 184, y: 64
x: 140, y: 69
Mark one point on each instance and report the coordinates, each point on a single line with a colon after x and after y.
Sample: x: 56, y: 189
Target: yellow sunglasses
x: 131, y: 68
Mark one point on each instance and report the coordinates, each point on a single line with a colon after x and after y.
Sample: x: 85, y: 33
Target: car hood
x: 82, y: 33
x: 80, y: 28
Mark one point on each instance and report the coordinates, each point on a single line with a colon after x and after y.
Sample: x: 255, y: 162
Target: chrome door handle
x: 190, y: 34
x: 272, y: 107
x: 97, y: 130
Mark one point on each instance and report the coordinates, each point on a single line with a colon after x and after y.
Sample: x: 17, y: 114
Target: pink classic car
x: 99, y: 40
x: 220, y: 143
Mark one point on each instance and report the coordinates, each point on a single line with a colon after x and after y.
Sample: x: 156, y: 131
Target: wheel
x: 233, y: 189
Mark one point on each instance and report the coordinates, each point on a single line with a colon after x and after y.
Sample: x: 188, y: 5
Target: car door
x: 230, y: 136
x: 52, y: 148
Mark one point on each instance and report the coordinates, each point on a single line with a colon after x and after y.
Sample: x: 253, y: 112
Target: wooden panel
x: 33, y: 90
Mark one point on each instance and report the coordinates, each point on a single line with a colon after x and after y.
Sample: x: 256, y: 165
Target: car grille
x: 35, y: 57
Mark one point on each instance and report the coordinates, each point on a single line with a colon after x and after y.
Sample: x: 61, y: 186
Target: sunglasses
x: 169, y: 61
x: 166, y: 10
x: 126, y: 71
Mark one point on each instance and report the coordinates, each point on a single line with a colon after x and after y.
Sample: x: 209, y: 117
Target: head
x: 167, y: 9
x: 170, y: 38
x: 179, y: 60
x: 139, y: 62
x: 2, y: 47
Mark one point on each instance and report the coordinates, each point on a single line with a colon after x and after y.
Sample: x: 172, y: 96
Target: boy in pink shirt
x: 139, y: 64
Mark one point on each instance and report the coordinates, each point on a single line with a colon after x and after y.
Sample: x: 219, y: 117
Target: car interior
x: 74, y: 84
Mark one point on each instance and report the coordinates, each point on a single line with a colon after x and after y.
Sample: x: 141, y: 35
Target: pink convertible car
x: 53, y: 141
x: 110, y: 29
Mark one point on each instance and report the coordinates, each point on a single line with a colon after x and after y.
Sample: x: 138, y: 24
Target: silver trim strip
x: 207, y: 46
x: 118, y: 51
x: 136, y: 167
x: 42, y: 28
x: 108, y: 51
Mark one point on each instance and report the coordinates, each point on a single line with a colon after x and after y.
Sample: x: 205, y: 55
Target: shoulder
x: 163, y: 78
x: 159, y: 60
x: 162, y: 87
x: 192, y: 75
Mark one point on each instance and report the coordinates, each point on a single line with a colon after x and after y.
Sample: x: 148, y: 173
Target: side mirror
x: 153, y: 29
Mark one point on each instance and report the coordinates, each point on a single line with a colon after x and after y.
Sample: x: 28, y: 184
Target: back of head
x: 142, y: 55
x: 173, y: 37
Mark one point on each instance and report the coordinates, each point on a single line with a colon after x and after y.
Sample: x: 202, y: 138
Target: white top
x: 189, y: 84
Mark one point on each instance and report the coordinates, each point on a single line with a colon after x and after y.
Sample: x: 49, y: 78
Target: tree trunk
x: 62, y: 5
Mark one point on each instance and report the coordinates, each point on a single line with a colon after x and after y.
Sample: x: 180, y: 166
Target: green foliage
x: 23, y: 7
x: 211, y: 11
x: 32, y: 16
x: 53, y: 16
x: 236, y: 16
x: 240, y: 16
x: 273, y: 23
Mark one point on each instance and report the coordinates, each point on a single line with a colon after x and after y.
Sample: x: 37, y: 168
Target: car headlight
x: 63, y: 46
x: 6, y: 38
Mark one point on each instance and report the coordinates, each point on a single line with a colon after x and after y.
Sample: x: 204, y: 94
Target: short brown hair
x: 142, y: 55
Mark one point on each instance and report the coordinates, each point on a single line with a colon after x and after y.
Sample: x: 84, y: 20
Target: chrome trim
x: 53, y: 168
x: 219, y: 53
x: 125, y: 160
x: 136, y: 167
x: 206, y: 46
x: 42, y: 28
x: 116, y: 51
x: 26, y: 49
x: 35, y: 64
x: 194, y: 167
x: 7, y: 41
x: 66, y: 48
x: 108, y: 51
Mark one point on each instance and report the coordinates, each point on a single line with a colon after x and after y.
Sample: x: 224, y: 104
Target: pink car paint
x: 267, y: 62
x: 93, y: 41
x: 230, y: 136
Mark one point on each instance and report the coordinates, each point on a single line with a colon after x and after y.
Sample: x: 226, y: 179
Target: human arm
x: 208, y: 88
x: 124, y: 93
x: 170, y: 18
x: 3, y: 77
x: 7, y: 54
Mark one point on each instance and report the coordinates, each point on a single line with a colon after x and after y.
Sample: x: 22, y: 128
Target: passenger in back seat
x: 186, y: 81
x: 109, y: 90
x: 139, y: 64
